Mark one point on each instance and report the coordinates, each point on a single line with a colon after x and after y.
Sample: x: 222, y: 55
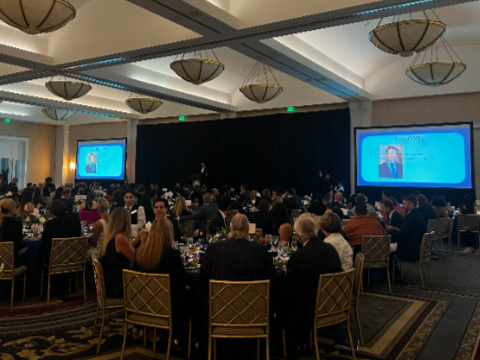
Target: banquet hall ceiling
x: 318, y: 51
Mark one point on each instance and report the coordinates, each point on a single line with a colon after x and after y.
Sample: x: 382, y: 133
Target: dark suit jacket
x: 94, y: 169
x: 236, y: 205
x: 396, y: 220
x: 301, y: 280
x: 337, y: 204
x: 427, y: 212
x: 11, y: 230
x: 64, y: 226
x: 216, y: 223
x: 385, y: 171
x: 237, y: 260
x: 204, y: 213
x: 291, y: 203
x: 263, y: 219
x: 409, y: 237
x: 68, y: 204
x: 245, y: 196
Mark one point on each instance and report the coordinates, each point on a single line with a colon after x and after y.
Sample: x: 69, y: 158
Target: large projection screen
x: 101, y: 159
x: 417, y: 156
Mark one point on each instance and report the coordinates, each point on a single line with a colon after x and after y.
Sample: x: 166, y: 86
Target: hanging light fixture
x: 36, y: 16
x: 258, y: 85
x: 68, y: 90
x: 143, y: 105
x: 57, y: 114
x: 198, y: 70
x: 435, y: 72
x: 407, y: 37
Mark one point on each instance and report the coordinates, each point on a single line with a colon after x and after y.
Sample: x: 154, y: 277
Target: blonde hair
x: 149, y: 255
x: 102, y: 208
x: 119, y: 223
x: 316, y: 219
x: 277, y: 199
x: 239, y: 226
x: 7, y: 204
x: 180, y: 206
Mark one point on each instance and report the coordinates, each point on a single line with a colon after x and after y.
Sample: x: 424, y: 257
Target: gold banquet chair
x: 357, y: 289
x: 103, y: 303
x: 441, y: 229
x: 376, y: 250
x: 468, y: 224
x: 9, y: 271
x: 425, y: 252
x: 238, y: 310
x: 187, y: 227
x: 67, y: 256
x: 229, y: 216
x: 147, y: 300
x: 333, y: 306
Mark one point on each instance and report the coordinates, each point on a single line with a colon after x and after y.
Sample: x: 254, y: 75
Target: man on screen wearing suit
x: 91, y: 166
x: 391, y: 168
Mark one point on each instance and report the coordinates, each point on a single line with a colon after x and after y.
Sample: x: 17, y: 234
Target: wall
x: 41, y: 161
x: 100, y: 131
x: 433, y: 109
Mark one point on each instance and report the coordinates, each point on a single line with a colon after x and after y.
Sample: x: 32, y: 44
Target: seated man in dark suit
x: 390, y: 216
x: 337, y: 201
x: 67, y: 200
x: 63, y: 226
x: 217, y: 222
x: 301, y: 281
x: 244, y: 193
x: 235, y: 204
x: 409, y: 235
x: 391, y: 168
x: 204, y: 213
x: 263, y: 218
x: 291, y: 201
x: 265, y: 195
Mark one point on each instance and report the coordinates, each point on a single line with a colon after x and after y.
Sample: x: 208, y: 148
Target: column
x: 62, y: 165
x: 131, y: 149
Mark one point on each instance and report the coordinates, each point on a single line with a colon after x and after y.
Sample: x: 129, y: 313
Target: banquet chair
x: 187, y: 227
x: 147, y: 301
x: 194, y: 207
x: 357, y: 289
x: 295, y: 214
x: 333, y: 304
x: 376, y: 250
x: 67, y: 256
x: 229, y: 216
x: 468, y: 224
x: 103, y: 303
x: 9, y: 271
x: 238, y: 310
x: 425, y: 252
x: 441, y: 228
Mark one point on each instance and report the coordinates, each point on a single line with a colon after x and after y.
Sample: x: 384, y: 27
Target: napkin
x: 148, y: 225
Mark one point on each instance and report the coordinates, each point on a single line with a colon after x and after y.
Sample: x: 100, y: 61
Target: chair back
x: 239, y: 303
x: 147, y: 294
x: 7, y: 259
x: 68, y: 252
x: 187, y: 227
x: 450, y: 227
x: 468, y: 222
x: 376, y: 247
x: 426, y: 246
x: 99, y: 282
x: 334, y: 294
x: 229, y: 216
x: 90, y: 216
x: 359, y: 261
x: 295, y: 214
x: 194, y: 207
x: 441, y: 227
x: 1, y: 269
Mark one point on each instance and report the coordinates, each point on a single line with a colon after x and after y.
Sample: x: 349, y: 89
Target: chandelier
x: 435, y: 72
x: 198, y: 70
x: 36, y: 16
x: 407, y: 37
x: 68, y: 90
x: 56, y: 114
x: 143, y: 105
x: 258, y: 86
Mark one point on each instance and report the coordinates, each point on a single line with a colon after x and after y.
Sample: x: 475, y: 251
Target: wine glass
x: 275, y: 240
x: 294, y: 245
x: 90, y: 227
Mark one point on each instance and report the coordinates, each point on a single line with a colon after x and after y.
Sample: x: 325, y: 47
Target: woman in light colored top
x: 331, y: 226
x: 281, y: 222
x: 99, y: 228
x: 90, y: 203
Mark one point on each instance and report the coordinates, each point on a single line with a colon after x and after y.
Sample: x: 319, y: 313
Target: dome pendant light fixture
x: 435, y: 73
x: 143, y: 105
x: 57, y: 114
x: 407, y: 37
x: 68, y: 90
x: 258, y: 86
x: 36, y: 16
x: 198, y: 70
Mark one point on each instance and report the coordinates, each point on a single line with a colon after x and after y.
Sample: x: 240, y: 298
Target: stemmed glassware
x: 294, y: 244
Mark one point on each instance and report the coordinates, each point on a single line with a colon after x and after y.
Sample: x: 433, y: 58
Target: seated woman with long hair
x: 90, y: 203
x: 156, y: 255
x: 99, y: 228
x: 181, y: 207
x: 26, y: 205
x: 468, y: 205
x: 281, y: 222
x: 117, y: 252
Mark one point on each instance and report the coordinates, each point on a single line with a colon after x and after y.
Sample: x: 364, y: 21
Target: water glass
x: 294, y: 245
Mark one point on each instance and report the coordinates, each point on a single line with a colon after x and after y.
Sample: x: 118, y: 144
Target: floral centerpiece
x: 35, y: 222
x: 221, y: 235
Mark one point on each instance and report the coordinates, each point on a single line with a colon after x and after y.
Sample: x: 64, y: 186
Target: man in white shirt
x: 137, y: 213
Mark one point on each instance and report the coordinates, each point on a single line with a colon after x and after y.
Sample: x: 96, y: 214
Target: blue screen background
x: 441, y: 159
x: 110, y: 160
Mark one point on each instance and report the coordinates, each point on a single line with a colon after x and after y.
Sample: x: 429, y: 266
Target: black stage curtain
x: 274, y: 151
